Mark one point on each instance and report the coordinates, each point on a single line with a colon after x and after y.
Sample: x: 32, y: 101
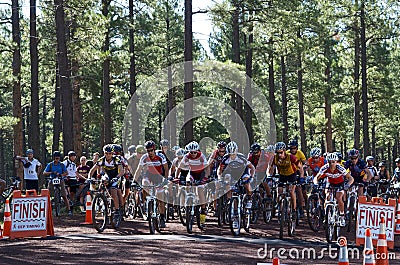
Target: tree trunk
x: 366, y: 146
x: 356, y: 95
x: 285, y: 121
x: 301, y: 98
x: 328, y: 109
x: 43, y: 157
x: 271, y: 86
x: 188, y: 105
x: 64, y: 75
x: 77, y: 114
x: 132, y: 77
x: 16, y: 69
x: 236, y: 98
x: 248, y: 92
x: 34, y: 129
x: 373, y: 138
x: 57, y: 114
x: 107, y: 126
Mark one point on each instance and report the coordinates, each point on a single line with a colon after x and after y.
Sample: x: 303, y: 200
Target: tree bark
x: 271, y: 85
x: 64, y: 75
x: 132, y: 78
x: 16, y: 70
x: 366, y: 143
x: 57, y: 114
x: 328, y: 109
x: 43, y: 157
x: 34, y: 129
x: 301, y: 98
x: 285, y: 121
x: 77, y: 113
x: 236, y: 98
x: 107, y: 126
x: 248, y: 92
x: 356, y: 77
x: 188, y: 53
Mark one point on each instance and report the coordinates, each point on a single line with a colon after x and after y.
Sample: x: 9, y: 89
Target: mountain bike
x: 286, y: 213
x: 332, y: 227
x: 192, y: 207
x: 315, y: 207
x: 152, y: 211
x: 8, y: 193
x: 239, y: 215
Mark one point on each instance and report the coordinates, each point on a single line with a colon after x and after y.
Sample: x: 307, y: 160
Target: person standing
x: 71, y: 180
x: 32, y: 167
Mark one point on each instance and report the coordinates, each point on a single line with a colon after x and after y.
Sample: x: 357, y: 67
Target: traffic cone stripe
x: 7, y: 219
x: 381, y: 249
x: 343, y: 254
x: 382, y: 243
x: 88, y: 215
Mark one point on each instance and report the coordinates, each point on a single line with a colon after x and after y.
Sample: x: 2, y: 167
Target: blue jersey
x: 357, y: 170
x: 52, y: 167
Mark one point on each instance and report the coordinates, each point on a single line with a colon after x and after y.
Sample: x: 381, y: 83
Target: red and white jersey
x: 196, y: 164
x: 154, y: 165
x: 334, y: 177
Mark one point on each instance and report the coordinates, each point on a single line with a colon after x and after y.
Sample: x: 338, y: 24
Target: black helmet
x: 382, y: 164
x: 255, y: 147
x: 117, y: 148
x: 107, y: 148
x: 354, y: 152
x: 132, y: 148
x: 293, y: 143
x: 29, y: 151
x: 71, y: 153
x: 397, y: 160
x: 339, y: 155
x: 56, y: 154
x: 150, y: 144
x: 221, y: 144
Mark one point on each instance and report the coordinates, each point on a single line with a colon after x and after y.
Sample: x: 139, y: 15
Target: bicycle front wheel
x: 313, y: 213
x: 282, y: 216
x: 99, y: 212
x: 234, y: 216
x: 330, y: 226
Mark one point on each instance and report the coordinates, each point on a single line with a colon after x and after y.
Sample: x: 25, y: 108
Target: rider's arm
x: 172, y: 170
x: 137, y: 173
x: 349, y: 178
x: 271, y: 167
x: 252, y: 169
x: 165, y: 170
x: 369, y: 174
x: 93, y: 169
x: 301, y: 169
x: 387, y: 175
x: 121, y: 171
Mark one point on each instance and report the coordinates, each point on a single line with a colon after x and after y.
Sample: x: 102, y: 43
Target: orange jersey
x: 316, y: 165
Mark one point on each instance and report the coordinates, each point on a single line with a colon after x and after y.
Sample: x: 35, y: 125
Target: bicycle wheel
x: 351, y: 212
x: 152, y: 219
x: 313, y: 213
x: 291, y: 219
x: 282, y: 216
x: 267, y: 210
x: 197, y: 214
x: 219, y: 210
x: 330, y: 227
x: 182, y: 208
x: 57, y: 201
x: 189, y: 218
x: 130, y: 206
x: 234, y: 216
x: 99, y: 212
x: 257, y: 205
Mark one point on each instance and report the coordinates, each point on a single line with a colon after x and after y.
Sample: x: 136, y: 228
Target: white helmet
x: 270, y: 148
x: 315, y: 151
x: 180, y: 152
x: 232, y: 148
x: 192, y: 146
x: 370, y: 158
x: 332, y: 157
x: 280, y: 146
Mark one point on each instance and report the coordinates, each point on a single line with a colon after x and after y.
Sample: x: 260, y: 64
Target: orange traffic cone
x: 275, y: 261
x: 343, y: 254
x: 88, y: 216
x: 382, y: 257
x: 368, y: 249
x: 1, y: 232
x: 397, y: 230
x: 7, y: 219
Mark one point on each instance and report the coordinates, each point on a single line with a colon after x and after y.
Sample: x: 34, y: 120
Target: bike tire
x: 292, y: 219
x: 219, y: 211
x: 152, y: 224
x: 182, y: 209
x: 130, y: 207
x: 282, y: 216
x: 257, y: 205
x: 234, y: 216
x: 330, y: 226
x: 57, y: 201
x: 267, y: 210
x: 99, y: 212
x: 189, y: 219
x: 351, y: 213
x: 197, y: 214
x: 313, y: 213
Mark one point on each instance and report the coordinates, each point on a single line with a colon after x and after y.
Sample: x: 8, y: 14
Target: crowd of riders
x: 150, y: 164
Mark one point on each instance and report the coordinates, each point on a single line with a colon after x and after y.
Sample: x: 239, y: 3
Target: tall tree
x: 188, y: 106
x: 285, y: 121
x: 34, y: 131
x: 356, y: 79
x: 107, y: 125
x: 366, y: 145
x: 132, y: 76
x: 248, y: 90
x: 301, y: 95
x: 57, y: 126
x: 64, y: 77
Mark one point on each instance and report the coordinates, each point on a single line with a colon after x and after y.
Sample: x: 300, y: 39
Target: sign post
x: 369, y: 216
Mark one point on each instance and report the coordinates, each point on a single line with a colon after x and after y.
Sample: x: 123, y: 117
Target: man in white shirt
x: 32, y: 167
x: 71, y: 181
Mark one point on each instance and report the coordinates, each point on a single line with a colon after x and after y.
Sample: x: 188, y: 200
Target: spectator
x: 82, y: 173
x: 71, y: 181
x: 32, y: 167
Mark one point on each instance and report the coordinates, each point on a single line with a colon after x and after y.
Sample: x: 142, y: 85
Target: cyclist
x: 316, y: 161
x: 301, y: 190
x: 117, y: 150
x: 260, y: 160
x: 179, y: 153
x: 165, y: 151
x: 340, y: 157
x: 287, y: 166
x: 155, y: 168
x: 237, y: 165
x: 71, y: 182
x: 358, y: 170
x: 110, y: 167
x: 216, y: 157
x: 396, y: 171
x: 82, y: 173
x: 196, y: 161
x: 57, y: 169
x: 375, y: 177
x: 336, y: 176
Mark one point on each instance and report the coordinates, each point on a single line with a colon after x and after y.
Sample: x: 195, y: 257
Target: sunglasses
x: 279, y: 153
x: 353, y: 158
x: 221, y: 151
x: 193, y: 152
x: 149, y: 150
x: 332, y: 161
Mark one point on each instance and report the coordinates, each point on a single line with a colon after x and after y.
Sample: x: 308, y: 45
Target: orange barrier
x: 275, y: 261
x: 343, y: 254
x: 369, y: 215
x: 7, y: 219
x: 31, y: 215
x: 382, y: 255
x: 88, y: 216
x: 397, y: 231
x: 368, y: 249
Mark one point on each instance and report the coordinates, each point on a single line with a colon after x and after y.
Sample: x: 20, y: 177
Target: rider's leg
x: 114, y: 195
x: 293, y: 195
x: 64, y: 195
x: 339, y: 199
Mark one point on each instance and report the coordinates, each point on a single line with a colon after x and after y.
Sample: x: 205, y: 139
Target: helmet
x: 56, y: 154
x: 107, y: 148
x: 280, y: 146
x: 140, y: 149
x: 29, y: 151
x: 397, y: 160
x: 270, y: 148
x: 339, y: 155
x: 164, y: 142
x: 255, y: 147
x: 221, y: 144
x: 192, y: 146
x: 232, y: 148
x: 370, y: 158
x: 150, y: 144
x: 132, y: 148
x: 117, y: 148
x: 315, y: 152
x: 354, y: 152
x: 180, y: 152
x: 71, y: 153
x: 293, y: 143
x: 176, y: 147
x: 332, y: 157
x: 382, y: 164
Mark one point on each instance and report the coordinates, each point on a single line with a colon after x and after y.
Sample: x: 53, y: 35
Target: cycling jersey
x: 396, y: 174
x: 260, y: 162
x: 217, y: 159
x: 316, y: 165
x: 357, y: 170
x: 299, y: 155
x: 196, y: 164
x: 176, y: 163
x: 111, y: 168
x: 383, y: 174
x: 71, y: 168
x: 155, y: 164
x: 335, y: 176
x: 237, y: 167
x: 374, y: 172
x: 170, y: 154
x: 83, y: 170
x: 53, y: 167
x: 287, y: 166
x: 30, y: 172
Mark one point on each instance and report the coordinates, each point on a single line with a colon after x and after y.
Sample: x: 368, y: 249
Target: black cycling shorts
x: 72, y: 184
x: 289, y: 179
